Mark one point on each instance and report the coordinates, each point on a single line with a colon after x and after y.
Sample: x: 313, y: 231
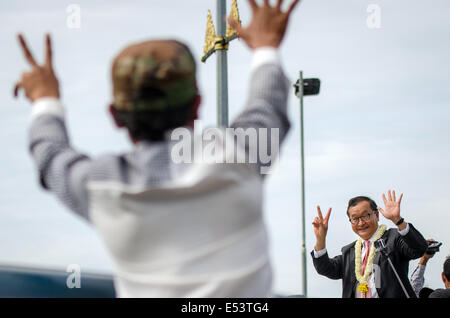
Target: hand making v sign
x: 41, y: 80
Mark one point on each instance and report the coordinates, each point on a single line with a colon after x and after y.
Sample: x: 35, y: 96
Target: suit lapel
x: 377, y: 257
x: 352, y: 268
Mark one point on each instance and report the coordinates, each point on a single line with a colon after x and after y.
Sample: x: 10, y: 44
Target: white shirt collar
x: 167, y: 137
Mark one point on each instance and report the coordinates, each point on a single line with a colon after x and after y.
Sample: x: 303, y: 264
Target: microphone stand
x: 379, y: 245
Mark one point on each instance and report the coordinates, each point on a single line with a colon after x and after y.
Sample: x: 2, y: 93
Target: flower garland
x: 362, y: 279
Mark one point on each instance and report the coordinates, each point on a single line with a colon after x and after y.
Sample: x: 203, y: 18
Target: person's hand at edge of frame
x: 426, y: 257
x: 41, y: 80
x: 268, y: 24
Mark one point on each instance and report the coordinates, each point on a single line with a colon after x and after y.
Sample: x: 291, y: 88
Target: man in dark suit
x: 364, y: 270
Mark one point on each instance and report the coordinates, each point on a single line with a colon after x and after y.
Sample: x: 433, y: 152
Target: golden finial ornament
x: 210, y: 35
x: 235, y: 15
x: 213, y: 42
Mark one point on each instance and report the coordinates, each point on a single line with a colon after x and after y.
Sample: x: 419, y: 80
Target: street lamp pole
x: 302, y: 178
x: 304, y: 87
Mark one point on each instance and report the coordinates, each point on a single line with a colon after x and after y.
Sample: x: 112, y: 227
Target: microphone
x: 381, y: 247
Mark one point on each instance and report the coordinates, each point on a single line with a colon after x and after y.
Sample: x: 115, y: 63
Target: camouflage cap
x: 154, y: 76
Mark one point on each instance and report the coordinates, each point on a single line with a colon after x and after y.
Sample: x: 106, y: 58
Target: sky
x: 381, y: 120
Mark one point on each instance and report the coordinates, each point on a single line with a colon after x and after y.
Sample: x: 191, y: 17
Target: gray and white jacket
x: 189, y: 229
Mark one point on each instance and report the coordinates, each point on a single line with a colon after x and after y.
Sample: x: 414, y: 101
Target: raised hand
x: 320, y: 228
x: 391, y: 207
x: 41, y: 81
x: 268, y: 24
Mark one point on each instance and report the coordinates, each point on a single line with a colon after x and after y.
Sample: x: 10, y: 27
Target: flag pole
x: 222, y: 66
x: 218, y: 43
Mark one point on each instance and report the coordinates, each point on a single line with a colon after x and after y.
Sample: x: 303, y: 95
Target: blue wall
x: 31, y: 282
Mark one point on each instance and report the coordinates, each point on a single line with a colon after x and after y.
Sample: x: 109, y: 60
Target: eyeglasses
x: 365, y: 218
